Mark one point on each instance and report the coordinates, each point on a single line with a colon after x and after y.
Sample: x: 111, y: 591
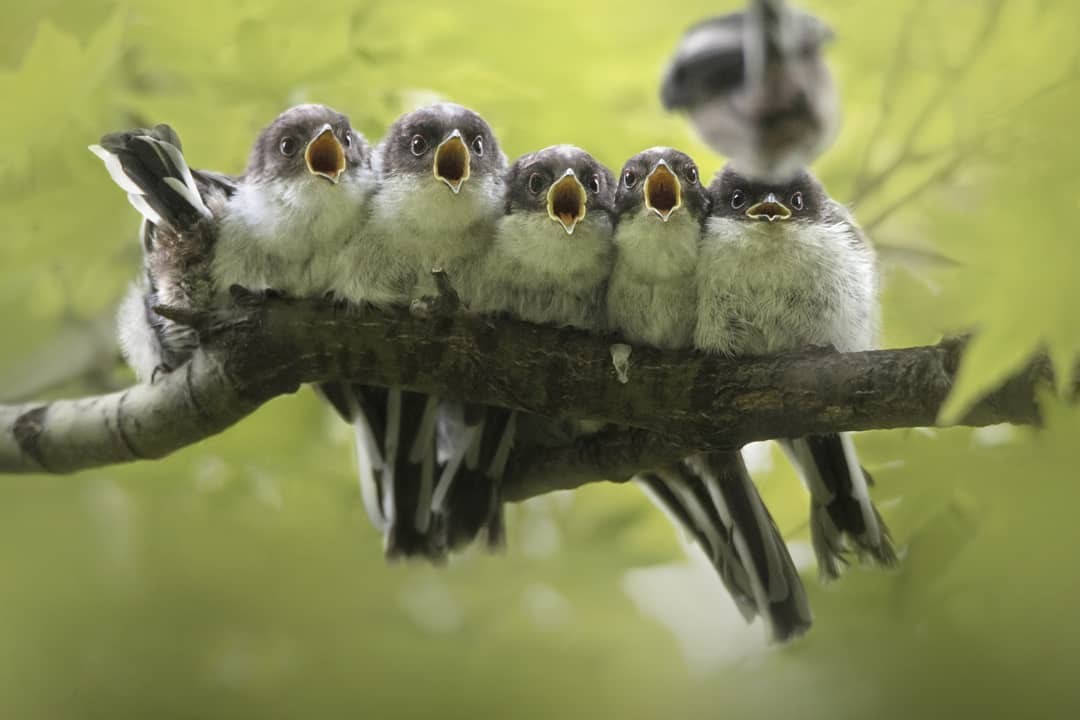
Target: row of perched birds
x: 653, y: 254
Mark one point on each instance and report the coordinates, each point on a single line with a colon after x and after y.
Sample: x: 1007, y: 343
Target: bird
x: 785, y: 267
x: 548, y: 264
x: 552, y: 253
x: 440, y: 174
x: 661, y: 208
x: 177, y: 234
x: 274, y: 228
x: 308, y: 182
x: 755, y: 86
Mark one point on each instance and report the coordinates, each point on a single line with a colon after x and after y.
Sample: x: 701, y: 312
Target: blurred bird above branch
x: 756, y: 88
x: 672, y: 402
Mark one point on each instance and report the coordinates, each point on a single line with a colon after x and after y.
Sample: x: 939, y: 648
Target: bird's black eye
x: 478, y: 146
x: 738, y: 199
x: 288, y: 146
x: 797, y: 201
x: 691, y: 174
x: 418, y: 145
x: 594, y: 183
x: 348, y: 139
x: 536, y: 183
x: 629, y: 179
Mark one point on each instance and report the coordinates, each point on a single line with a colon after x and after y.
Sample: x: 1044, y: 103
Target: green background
x: 240, y: 578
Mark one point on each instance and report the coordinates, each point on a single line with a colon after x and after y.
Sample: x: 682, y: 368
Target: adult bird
x: 756, y: 88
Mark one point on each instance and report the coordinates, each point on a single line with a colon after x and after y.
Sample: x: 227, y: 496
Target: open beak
x: 768, y: 209
x: 663, y: 191
x: 566, y: 201
x: 325, y: 156
x: 452, y: 161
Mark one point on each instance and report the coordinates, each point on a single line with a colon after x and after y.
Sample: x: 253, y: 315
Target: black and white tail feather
x: 149, y: 165
x: 397, y: 463
x: 712, y: 497
x: 360, y: 407
x: 842, y: 517
x: 430, y: 470
x: 474, y: 443
x: 410, y: 476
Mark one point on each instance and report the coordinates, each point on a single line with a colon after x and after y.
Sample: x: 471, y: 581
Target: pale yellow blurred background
x: 240, y: 578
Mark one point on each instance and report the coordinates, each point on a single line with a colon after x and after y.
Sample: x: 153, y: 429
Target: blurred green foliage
x: 239, y: 578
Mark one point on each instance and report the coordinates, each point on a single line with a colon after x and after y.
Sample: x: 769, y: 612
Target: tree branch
x: 674, y: 402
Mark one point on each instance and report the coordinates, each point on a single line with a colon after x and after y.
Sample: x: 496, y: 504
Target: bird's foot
x: 443, y: 305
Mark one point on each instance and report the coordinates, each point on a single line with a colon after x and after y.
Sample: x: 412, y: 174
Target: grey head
x: 800, y: 200
x: 664, y: 181
x: 445, y: 143
x: 563, y: 182
x: 309, y: 142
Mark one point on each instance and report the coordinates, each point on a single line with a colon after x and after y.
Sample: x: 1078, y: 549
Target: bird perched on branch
x: 784, y: 267
x: 552, y: 253
x: 308, y: 183
x: 440, y: 191
x: 652, y: 299
x: 274, y: 228
x: 548, y: 264
x: 178, y: 231
x: 757, y: 89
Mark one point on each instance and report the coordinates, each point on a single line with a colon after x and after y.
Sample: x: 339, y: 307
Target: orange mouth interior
x: 663, y: 193
x: 452, y: 162
x: 325, y: 156
x: 566, y: 202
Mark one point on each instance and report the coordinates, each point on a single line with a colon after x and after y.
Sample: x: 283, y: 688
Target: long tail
x: 410, y: 476
x: 365, y: 409
x: 395, y: 451
x: 776, y: 584
x: 149, y: 165
x: 684, y: 498
x: 842, y: 517
x: 713, y: 497
x: 474, y: 446
x: 172, y: 199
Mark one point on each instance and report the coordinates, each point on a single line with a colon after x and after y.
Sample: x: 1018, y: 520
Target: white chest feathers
x: 430, y: 225
x: 287, y: 235
x: 772, y: 287
x: 652, y: 298
x: 658, y: 250
x: 544, y: 250
x: 537, y: 272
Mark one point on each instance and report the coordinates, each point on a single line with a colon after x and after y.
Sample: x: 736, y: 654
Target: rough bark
x: 671, y: 404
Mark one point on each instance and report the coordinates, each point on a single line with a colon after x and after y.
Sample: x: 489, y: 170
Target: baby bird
x: 652, y: 300
x: 784, y: 267
x: 276, y: 227
x: 549, y: 263
x: 440, y: 173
